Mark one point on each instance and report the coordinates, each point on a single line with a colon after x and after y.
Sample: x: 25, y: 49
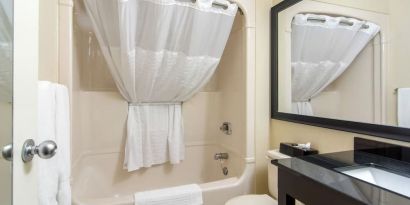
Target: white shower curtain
x: 160, y: 53
x: 6, y: 32
x: 321, y: 52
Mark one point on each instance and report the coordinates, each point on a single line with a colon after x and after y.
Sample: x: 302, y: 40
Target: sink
x: 381, y: 177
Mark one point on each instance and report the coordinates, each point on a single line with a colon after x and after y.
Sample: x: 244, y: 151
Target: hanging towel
x: 181, y: 195
x: 54, y: 124
x: 403, y: 107
x: 163, y: 123
x: 160, y: 54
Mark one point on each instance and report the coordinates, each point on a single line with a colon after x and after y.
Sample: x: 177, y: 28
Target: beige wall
x: 5, y: 139
x: 399, y: 47
x: 262, y: 92
x: 231, y: 88
x: 48, y: 40
x: 370, y: 5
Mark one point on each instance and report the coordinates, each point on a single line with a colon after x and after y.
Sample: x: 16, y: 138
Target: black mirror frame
x: 389, y: 132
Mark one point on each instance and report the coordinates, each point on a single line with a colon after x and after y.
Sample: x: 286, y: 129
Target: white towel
x: 155, y: 135
x: 181, y: 195
x: 403, y: 107
x: 54, y: 124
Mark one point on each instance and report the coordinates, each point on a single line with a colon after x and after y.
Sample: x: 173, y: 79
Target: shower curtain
x: 321, y: 52
x: 6, y: 32
x: 160, y: 53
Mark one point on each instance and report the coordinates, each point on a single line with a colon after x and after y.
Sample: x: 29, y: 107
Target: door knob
x: 45, y: 150
x: 7, y: 152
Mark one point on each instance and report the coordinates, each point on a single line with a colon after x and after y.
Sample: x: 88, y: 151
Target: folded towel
x: 54, y: 124
x: 181, y: 195
x: 403, y: 107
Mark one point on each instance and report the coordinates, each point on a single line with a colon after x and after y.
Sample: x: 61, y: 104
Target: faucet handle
x: 226, y: 128
x: 220, y: 156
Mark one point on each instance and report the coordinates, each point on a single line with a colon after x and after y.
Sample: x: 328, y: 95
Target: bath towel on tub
x: 181, y: 195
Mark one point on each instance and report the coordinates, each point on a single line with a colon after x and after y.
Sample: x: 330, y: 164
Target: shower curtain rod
x: 342, y: 22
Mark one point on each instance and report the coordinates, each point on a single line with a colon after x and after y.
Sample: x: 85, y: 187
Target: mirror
x: 6, y: 85
x: 343, y: 65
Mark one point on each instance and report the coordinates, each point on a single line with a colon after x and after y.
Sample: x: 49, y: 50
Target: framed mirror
x: 6, y: 98
x: 342, y: 65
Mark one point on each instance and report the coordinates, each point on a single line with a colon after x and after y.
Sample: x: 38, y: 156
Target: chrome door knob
x: 45, y: 150
x: 7, y: 152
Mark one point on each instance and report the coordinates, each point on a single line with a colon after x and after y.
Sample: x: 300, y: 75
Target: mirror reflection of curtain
x: 321, y: 51
x: 6, y: 32
x: 160, y: 53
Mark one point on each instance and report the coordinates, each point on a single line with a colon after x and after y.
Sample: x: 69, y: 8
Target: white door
x: 25, y: 63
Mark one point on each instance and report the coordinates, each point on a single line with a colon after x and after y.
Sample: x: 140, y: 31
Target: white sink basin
x: 380, y: 177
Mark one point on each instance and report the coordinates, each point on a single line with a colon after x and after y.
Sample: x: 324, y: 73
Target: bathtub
x: 99, y: 179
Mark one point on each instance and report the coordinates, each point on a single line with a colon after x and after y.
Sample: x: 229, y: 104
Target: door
x: 25, y: 63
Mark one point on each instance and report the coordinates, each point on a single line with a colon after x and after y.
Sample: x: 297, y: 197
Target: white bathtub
x: 98, y: 178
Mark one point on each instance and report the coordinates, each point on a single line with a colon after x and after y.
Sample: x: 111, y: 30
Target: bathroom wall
x: 48, y: 40
x: 370, y: 5
x: 399, y: 68
x: 327, y: 140
x: 231, y: 88
x: 99, y: 111
x: 262, y: 92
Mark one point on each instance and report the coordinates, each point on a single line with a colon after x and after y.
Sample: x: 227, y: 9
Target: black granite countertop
x: 327, y: 170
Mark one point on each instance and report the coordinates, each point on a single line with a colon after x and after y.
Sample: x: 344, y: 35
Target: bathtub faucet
x: 221, y: 156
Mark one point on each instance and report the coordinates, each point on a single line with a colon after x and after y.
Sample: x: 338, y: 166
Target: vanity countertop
x: 330, y: 170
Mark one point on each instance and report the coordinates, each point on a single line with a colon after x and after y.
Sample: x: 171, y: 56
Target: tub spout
x: 220, y: 156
